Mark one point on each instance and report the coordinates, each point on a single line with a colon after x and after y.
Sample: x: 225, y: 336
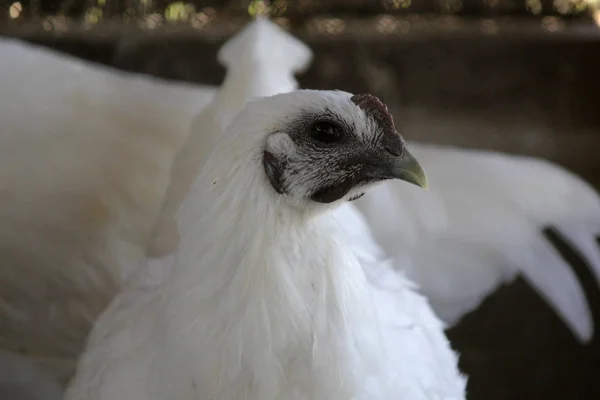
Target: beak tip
x: 422, y: 182
x: 412, y: 172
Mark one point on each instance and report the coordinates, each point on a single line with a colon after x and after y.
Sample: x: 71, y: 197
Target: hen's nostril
x: 393, y: 145
x: 395, y: 150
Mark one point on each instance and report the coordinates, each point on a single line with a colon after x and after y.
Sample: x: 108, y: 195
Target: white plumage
x: 265, y: 299
x: 74, y: 264
x: 481, y: 224
x: 478, y: 227
x: 85, y: 155
x: 260, y: 61
x: 189, y: 326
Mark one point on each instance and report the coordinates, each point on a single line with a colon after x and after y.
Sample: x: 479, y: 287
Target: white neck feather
x: 265, y: 291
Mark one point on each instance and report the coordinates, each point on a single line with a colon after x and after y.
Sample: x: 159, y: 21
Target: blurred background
x: 519, y: 76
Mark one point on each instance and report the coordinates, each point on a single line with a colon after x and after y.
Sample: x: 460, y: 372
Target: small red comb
x: 376, y: 109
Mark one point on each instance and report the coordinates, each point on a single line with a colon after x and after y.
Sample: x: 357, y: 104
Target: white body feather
x: 85, y: 154
x: 413, y: 335
x: 455, y: 288
x: 261, y: 301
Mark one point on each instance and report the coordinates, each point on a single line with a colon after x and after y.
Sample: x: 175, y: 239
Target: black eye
x: 326, y: 132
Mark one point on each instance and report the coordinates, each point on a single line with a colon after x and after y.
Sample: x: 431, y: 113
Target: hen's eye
x: 326, y: 132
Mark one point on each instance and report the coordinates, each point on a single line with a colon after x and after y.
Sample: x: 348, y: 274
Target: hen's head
x: 326, y: 146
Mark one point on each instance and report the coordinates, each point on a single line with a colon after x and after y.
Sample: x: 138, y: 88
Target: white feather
x: 85, y: 153
x: 249, y: 74
x: 262, y: 301
x: 412, y: 333
x: 480, y: 225
x: 29, y: 109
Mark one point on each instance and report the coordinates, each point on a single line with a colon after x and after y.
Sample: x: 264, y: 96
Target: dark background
x: 516, y: 76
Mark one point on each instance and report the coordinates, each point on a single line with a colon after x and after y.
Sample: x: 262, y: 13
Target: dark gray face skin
x: 326, y: 156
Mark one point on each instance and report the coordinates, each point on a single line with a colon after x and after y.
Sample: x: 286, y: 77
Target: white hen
x: 496, y: 255
x: 85, y: 153
x: 265, y: 299
x: 478, y: 227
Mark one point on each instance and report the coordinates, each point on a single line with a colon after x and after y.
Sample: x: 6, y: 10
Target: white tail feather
x: 263, y: 40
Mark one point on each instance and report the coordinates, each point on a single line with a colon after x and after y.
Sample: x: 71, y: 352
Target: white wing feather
x: 481, y: 224
x: 85, y: 153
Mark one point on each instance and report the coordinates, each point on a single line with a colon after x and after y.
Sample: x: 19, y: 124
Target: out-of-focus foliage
x: 323, y: 16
